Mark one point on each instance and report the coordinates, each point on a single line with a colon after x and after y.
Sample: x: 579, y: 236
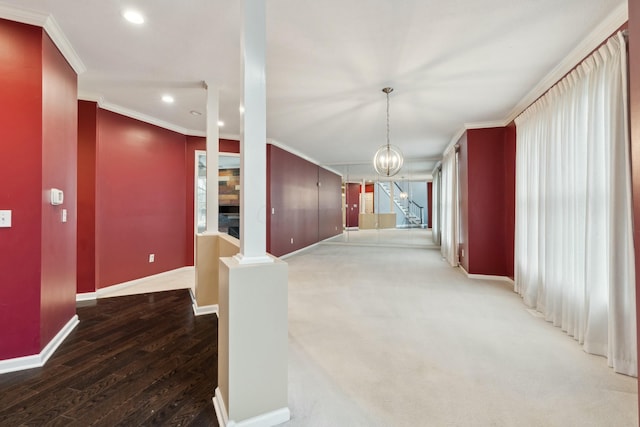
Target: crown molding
x: 608, y: 26
x: 299, y: 154
x: 49, y: 24
x: 486, y: 125
x: 454, y: 140
x: 229, y: 136
x: 105, y: 105
x: 25, y: 16
x: 62, y: 42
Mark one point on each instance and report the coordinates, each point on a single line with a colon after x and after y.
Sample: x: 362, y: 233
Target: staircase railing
x: 414, y: 209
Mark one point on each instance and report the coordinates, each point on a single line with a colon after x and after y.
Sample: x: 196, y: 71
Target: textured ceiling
x: 451, y: 63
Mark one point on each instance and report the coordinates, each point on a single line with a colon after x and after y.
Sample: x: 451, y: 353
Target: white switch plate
x: 5, y: 219
x: 64, y: 215
x: 152, y: 257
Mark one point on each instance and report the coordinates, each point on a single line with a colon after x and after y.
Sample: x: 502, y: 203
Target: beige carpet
x: 388, y: 336
x: 395, y: 337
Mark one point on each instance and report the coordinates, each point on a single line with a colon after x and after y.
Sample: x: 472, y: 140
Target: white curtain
x: 435, y: 207
x: 449, y: 208
x: 574, y: 242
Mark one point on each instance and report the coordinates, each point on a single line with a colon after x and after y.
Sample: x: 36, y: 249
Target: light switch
x: 5, y: 219
x: 64, y: 215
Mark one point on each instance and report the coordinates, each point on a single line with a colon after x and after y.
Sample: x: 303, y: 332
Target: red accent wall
x: 229, y: 146
x: 140, y: 199
x: 509, y: 198
x: 634, y: 120
x: 37, y: 136
x: 87, y: 140
x: 352, y: 202
x: 463, y: 197
x: 293, y: 193
x: 487, y: 200
x: 21, y: 190
x: 59, y: 168
x: 329, y: 204
x: 429, y: 204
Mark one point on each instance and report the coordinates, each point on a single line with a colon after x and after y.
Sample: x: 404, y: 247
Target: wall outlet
x: 152, y: 257
x: 5, y: 219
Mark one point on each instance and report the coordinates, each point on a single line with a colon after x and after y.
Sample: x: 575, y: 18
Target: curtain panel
x: 435, y: 206
x: 449, y: 208
x: 574, y: 258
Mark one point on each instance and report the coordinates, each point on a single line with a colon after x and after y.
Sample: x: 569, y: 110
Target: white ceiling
x: 452, y: 63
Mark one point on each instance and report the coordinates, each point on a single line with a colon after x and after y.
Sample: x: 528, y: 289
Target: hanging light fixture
x: 388, y: 159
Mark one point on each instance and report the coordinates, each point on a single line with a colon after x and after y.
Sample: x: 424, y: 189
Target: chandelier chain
x: 388, y: 118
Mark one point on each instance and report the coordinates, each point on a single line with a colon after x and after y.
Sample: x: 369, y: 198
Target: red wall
x: 487, y: 200
x: 634, y: 120
x: 329, y: 204
x: 37, y: 254
x: 229, y: 146
x: 21, y: 190
x: 87, y: 141
x: 294, y: 194
x: 59, y: 167
x: 509, y: 198
x: 463, y: 176
x: 140, y: 199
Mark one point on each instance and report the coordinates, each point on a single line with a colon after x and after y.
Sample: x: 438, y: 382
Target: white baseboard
x: 486, y: 276
x: 306, y: 248
x: 221, y: 409
x: 204, y: 309
x: 268, y: 419
x: 86, y: 296
x: 109, y: 289
x: 38, y: 360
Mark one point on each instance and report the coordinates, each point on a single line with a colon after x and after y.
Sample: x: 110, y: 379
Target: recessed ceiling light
x: 220, y: 123
x: 195, y: 113
x: 241, y: 109
x: 133, y: 16
x: 168, y: 99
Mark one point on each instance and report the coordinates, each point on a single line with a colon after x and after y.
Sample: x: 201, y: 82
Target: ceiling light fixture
x: 168, y: 99
x: 133, y: 16
x: 241, y: 109
x: 388, y: 159
x: 220, y: 123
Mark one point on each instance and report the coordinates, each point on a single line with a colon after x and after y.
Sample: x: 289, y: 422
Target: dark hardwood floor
x: 141, y: 360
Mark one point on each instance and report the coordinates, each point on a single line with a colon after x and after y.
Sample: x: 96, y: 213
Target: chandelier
x: 388, y: 159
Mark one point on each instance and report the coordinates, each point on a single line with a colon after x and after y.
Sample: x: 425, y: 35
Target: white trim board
x: 38, y: 360
x: 86, y: 296
x: 202, y: 310
x: 105, y: 291
x: 267, y: 419
x: 485, y: 276
x: 50, y: 26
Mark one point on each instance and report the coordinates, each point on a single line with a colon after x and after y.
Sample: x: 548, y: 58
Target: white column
x: 253, y: 136
x: 363, y: 196
x: 212, y: 159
